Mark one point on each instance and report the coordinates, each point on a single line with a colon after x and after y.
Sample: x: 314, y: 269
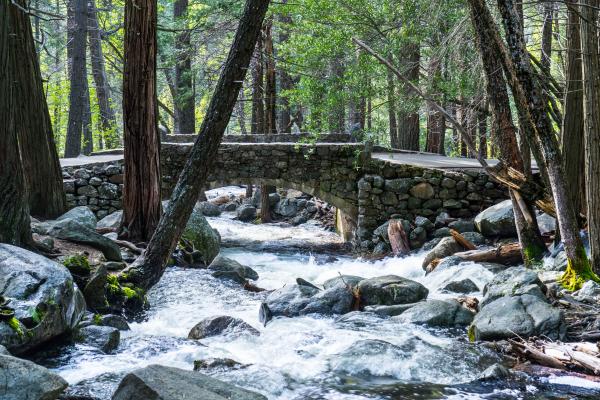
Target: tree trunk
x: 285, y: 80
x: 505, y: 136
x: 337, y: 112
x: 258, y: 106
x: 572, y: 127
x: 108, y: 120
x: 391, y: 98
x: 14, y: 208
x: 546, y: 53
x: 183, y: 103
x: 270, y: 113
x: 529, y: 96
x: 591, y: 107
x: 39, y: 157
x: 408, y: 122
x: 77, y: 77
x: 149, y: 267
x: 86, y: 123
x: 141, y: 193
x: 241, y: 112
x: 482, y: 127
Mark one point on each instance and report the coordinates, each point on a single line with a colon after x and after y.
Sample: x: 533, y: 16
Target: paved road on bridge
x: 425, y: 160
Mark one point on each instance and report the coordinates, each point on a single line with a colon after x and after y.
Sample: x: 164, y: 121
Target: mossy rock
x: 77, y: 264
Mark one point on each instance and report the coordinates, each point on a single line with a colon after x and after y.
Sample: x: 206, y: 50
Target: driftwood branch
x: 398, y: 238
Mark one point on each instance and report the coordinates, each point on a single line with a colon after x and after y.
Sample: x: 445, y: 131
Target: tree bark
x: 39, y: 157
x: 86, y: 122
x: 391, y: 98
x: 183, y: 103
x: 591, y: 107
x: 270, y: 112
x: 141, y: 193
x: 572, y: 138
x: 408, y: 122
x: 108, y: 120
x: 258, y: 106
x: 337, y: 112
x: 14, y: 208
x: 482, y: 127
x: 546, y: 53
x: 529, y: 96
x: 285, y: 80
x: 149, y: 267
x: 77, y: 78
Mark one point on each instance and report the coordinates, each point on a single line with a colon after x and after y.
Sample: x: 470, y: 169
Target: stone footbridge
x: 369, y: 186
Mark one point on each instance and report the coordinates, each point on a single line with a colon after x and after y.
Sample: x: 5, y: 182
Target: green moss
x: 533, y: 255
x: 38, y: 313
x: 97, y: 319
x: 129, y: 293
x: 579, y: 271
x: 471, y: 333
x: 78, y: 264
x: 16, y: 326
x: 112, y: 280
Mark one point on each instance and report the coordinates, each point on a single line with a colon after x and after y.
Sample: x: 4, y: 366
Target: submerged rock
x: 497, y: 221
x: 157, y: 382
x: 389, y: 311
x: 438, y: 313
x: 351, y: 280
x: 46, y: 301
x: 227, y: 268
x: 24, y: 380
x: 389, y: 290
x: 461, y: 286
x: 217, y: 363
x: 295, y: 300
x: 219, y: 325
x: 104, y: 338
x: 445, y: 248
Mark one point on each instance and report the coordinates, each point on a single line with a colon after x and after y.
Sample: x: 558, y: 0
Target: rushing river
x: 311, y: 357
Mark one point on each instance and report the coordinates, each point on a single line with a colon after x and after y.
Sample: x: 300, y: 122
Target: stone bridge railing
x: 278, y: 138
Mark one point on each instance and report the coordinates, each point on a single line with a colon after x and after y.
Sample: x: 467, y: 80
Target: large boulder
x: 349, y: 280
x: 522, y: 316
x: 513, y: 281
x: 589, y: 293
x: 460, y: 286
x: 226, y: 268
x: 24, y: 380
x: 437, y: 313
x: 157, y: 382
x: 389, y: 290
x: 209, y: 209
x: 219, y: 325
x: 46, y: 301
x: 246, y: 212
x: 497, y: 220
x: 112, y: 220
x: 287, y: 207
x: 82, y: 215
x: 203, y: 237
x: 445, y: 248
x: 295, y: 300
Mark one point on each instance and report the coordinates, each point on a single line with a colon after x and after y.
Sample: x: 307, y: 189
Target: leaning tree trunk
x: 183, y: 104
x: 149, y: 267
x: 529, y: 96
x: 505, y: 137
x: 108, y: 120
x: 141, y: 192
x: 591, y: 107
x: 14, y: 209
x: 77, y: 78
x: 34, y: 129
x: 572, y: 138
x: 270, y: 113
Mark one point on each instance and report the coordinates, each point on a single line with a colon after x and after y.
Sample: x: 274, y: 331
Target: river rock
x: 46, y: 301
x: 231, y: 206
x: 351, y: 280
x: 474, y: 237
x: 94, y: 290
x: 221, y: 325
x: 437, y: 313
x: 217, y: 363
x: 114, y: 321
x: 24, y: 380
x: 204, y: 238
x: 82, y: 215
x: 112, y: 220
x: 513, y: 281
x: 227, y: 268
x: 209, y: 209
x: 74, y: 232
x: 462, y: 225
x: 524, y: 315
x: 446, y: 247
x: 460, y: 286
x: 494, y: 372
x: 295, y: 300
x: 546, y: 223
x: 389, y: 311
x: 157, y: 382
x: 497, y: 220
x: 589, y: 293
x: 105, y: 338
x: 3, y: 351
x: 246, y: 212
x: 389, y: 290
x: 287, y: 207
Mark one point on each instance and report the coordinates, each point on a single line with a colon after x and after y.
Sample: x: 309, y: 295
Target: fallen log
x: 460, y: 239
x: 129, y: 245
x: 503, y: 254
x: 398, y: 238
